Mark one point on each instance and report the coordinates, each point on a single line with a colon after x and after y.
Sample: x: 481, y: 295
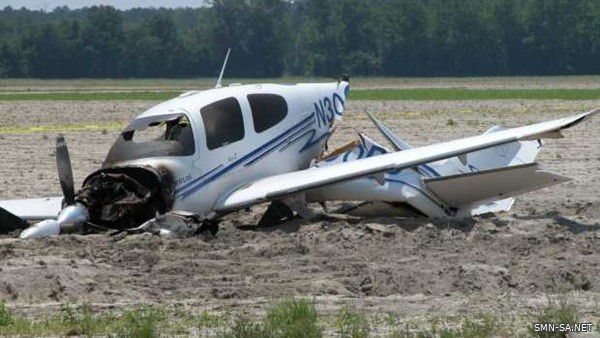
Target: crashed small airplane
x: 204, y: 154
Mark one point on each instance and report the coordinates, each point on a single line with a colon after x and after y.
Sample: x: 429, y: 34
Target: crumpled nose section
x: 121, y: 198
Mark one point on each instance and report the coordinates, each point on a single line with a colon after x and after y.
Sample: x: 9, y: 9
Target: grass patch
x: 556, y: 312
x: 142, y: 322
x: 351, y: 324
x: 288, y: 318
x: 359, y: 82
x: 438, y: 94
x: 71, y: 320
x: 82, y: 321
x: 295, y: 317
x: 417, y: 94
x: 6, y: 317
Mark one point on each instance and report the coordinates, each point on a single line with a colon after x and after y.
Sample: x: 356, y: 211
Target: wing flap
x: 482, y: 186
x: 281, y: 185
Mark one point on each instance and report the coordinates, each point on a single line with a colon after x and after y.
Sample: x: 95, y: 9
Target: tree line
x: 271, y: 38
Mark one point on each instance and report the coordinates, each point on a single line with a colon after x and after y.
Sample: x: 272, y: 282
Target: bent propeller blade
x: 65, y: 172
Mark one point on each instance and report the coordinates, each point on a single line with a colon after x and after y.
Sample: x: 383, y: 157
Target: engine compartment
x: 125, y: 197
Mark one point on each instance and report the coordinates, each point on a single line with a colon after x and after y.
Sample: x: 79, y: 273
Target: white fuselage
x: 213, y: 171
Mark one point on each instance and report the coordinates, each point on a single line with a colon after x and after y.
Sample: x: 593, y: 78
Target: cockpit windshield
x: 165, y: 135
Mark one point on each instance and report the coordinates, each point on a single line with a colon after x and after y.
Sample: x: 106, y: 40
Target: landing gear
x: 275, y: 214
x: 211, y: 226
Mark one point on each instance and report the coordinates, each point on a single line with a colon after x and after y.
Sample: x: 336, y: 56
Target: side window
x: 223, y: 123
x: 267, y: 110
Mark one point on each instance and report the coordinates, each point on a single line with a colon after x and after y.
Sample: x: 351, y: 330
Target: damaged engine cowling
x: 125, y: 197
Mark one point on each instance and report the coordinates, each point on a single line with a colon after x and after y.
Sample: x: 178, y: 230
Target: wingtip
x: 590, y: 113
x: 594, y: 112
x: 580, y: 118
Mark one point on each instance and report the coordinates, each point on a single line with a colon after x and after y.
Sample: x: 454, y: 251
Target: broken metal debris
x: 124, y: 198
x: 176, y: 224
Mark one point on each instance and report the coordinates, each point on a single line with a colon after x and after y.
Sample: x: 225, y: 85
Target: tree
x: 402, y: 37
x: 154, y: 49
x: 102, y: 42
x: 256, y: 32
x: 48, y: 52
x: 306, y: 37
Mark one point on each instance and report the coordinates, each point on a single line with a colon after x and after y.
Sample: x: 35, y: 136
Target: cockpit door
x: 224, y: 124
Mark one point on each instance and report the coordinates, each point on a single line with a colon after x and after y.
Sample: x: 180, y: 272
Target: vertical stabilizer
x: 394, y: 140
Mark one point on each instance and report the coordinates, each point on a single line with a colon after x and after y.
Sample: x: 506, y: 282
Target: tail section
x: 474, y: 183
x: 487, y: 180
x: 515, y: 153
x: 505, y: 155
x: 471, y: 190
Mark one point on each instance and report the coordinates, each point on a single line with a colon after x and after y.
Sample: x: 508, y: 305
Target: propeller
x: 74, y: 215
x: 65, y: 172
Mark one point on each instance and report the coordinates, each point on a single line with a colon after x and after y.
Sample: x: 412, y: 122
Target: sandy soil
x: 415, y: 268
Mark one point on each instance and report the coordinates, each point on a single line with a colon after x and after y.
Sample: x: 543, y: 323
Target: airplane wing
x: 33, y: 208
x: 14, y: 214
x: 278, y: 186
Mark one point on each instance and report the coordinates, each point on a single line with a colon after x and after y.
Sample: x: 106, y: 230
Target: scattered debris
x: 175, y: 224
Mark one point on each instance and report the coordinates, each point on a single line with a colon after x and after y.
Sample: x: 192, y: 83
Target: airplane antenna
x: 223, y: 69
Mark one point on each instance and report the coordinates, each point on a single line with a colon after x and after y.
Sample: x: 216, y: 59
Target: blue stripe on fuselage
x: 178, y: 190
x: 291, y: 139
x: 198, y: 183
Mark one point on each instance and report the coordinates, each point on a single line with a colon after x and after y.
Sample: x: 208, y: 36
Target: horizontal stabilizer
x: 464, y: 189
x: 33, y: 208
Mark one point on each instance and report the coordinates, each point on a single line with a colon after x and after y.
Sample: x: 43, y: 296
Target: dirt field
x: 416, y: 268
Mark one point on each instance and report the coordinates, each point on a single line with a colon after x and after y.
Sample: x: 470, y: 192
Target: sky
x: 120, y: 4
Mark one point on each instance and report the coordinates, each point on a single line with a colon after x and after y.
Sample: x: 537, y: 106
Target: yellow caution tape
x: 62, y: 128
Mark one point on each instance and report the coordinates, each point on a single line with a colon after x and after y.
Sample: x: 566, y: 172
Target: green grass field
x: 413, y: 94
x: 295, y: 317
x: 531, y: 82
x: 438, y: 94
x: 363, y: 88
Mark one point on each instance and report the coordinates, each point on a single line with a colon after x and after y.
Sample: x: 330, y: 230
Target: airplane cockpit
x: 154, y: 136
